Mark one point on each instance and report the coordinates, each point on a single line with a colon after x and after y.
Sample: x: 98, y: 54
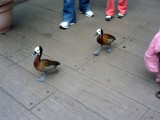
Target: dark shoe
x: 108, y: 18
x: 121, y: 15
x: 158, y: 94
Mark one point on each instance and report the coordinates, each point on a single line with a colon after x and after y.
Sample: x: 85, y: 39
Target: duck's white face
x: 99, y: 31
x: 36, y: 51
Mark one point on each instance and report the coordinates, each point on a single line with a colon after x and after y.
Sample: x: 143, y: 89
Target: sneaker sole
x: 66, y: 26
x: 89, y: 15
x: 121, y: 16
x: 108, y: 19
x: 85, y: 14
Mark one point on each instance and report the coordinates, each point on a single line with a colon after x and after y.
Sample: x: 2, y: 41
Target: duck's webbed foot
x: 108, y: 50
x: 42, y: 79
x: 97, y: 52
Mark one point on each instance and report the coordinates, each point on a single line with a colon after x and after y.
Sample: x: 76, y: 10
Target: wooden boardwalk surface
x: 113, y: 86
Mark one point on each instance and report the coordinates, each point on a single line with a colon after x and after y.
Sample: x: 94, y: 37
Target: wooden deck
x: 113, y: 86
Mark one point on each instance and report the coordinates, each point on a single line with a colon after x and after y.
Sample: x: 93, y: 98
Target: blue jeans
x: 69, y: 13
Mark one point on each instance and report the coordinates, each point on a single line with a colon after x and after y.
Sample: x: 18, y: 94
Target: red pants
x: 122, y: 7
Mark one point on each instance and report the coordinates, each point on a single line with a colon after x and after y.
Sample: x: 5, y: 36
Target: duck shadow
x: 52, y: 72
x: 105, y: 47
x: 51, y: 75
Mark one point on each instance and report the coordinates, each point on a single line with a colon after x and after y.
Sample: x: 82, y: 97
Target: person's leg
x: 158, y: 77
x: 84, y: 7
x: 69, y: 14
x: 122, y: 7
x: 110, y: 8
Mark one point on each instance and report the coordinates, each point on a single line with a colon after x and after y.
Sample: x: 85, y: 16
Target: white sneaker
x: 120, y: 15
x: 108, y: 17
x: 88, y: 13
x: 65, y: 25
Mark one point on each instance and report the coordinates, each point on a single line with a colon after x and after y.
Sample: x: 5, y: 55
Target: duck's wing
x: 45, y: 65
x: 47, y: 62
x: 108, y: 39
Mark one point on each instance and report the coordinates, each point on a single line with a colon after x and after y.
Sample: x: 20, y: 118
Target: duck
x: 43, y: 65
x: 103, y: 39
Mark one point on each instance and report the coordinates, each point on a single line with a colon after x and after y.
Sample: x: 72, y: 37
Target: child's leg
x: 122, y: 6
x: 158, y: 77
x: 110, y: 8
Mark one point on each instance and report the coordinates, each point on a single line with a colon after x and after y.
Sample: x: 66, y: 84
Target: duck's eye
x: 99, y: 32
x: 38, y: 51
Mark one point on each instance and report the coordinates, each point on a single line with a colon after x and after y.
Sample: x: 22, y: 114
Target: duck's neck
x: 37, y: 60
x: 101, y: 35
x: 38, y: 57
x: 100, y: 39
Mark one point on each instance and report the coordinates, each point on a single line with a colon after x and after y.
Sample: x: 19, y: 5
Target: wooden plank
x: 23, y: 85
x: 84, y: 90
x: 8, y: 45
x: 118, y: 26
x: 127, y: 61
x: 85, y: 42
x: 134, y: 46
x: 67, y: 55
x: 151, y: 115
x: 62, y: 107
x: 155, y: 27
x: 4, y: 62
x: 12, y: 110
x: 125, y: 83
x: 49, y: 4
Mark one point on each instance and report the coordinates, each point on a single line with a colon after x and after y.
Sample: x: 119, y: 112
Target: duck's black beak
x: 95, y: 34
x: 33, y: 53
